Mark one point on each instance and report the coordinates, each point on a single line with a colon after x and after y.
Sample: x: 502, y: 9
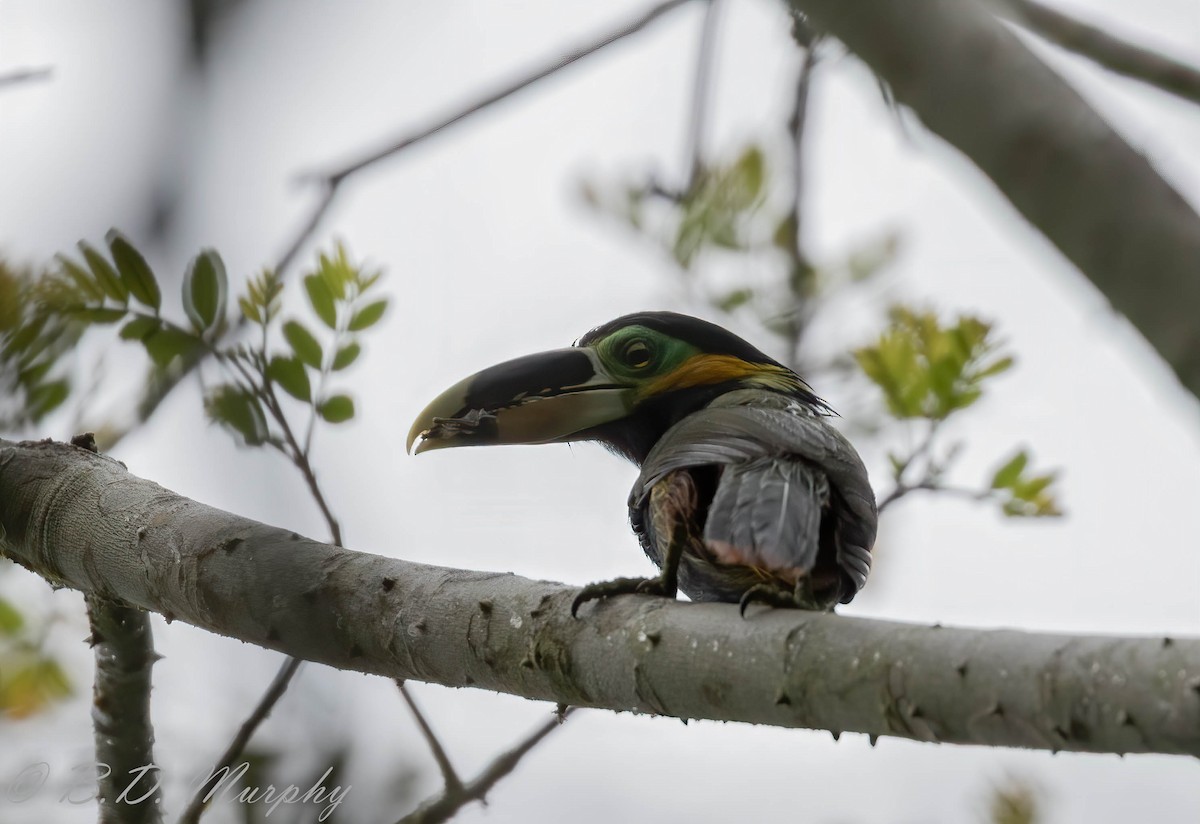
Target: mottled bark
x: 128, y: 782
x: 1100, y: 201
x: 82, y: 520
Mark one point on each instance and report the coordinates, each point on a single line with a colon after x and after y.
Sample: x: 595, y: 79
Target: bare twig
x: 701, y: 90
x: 278, y: 687
x: 453, y: 783
x: 801, y: 270
x: 16, y: 78
x: 930, y: 485
x: 1111, y: 52
x: 451, y: 801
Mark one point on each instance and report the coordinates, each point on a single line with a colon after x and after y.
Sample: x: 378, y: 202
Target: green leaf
x: 750, y: 172
x: 337, y: 409
x: 11, y: 619
x: 168, y: 343
x: 205, y: 287
x: 368, y: 316
x: 99, y: 316
x: 250, y: 310
x: 346, y: 356
x: 235, y: 408
x: 135, y: 272
x: 140, y: 327
x: 1002, y: 365
x: 303, y: 343
x: 321, y: 298
x: 46, y: 397
x: 290, y: 374
x: 88, y: 287
x: 1007, y: 475
x: 734, y: 299
x: 104, y: 273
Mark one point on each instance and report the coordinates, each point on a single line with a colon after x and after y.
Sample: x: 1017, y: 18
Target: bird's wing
x: 769, y: 493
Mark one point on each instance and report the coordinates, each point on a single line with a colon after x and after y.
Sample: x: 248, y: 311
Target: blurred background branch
x: 1105, y: 48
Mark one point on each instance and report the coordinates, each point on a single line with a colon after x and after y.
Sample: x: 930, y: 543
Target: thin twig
x: 801, y: 267
x: 1111, y: 52
x: 200, y: 800
x: 453, y: 783
x: 507, y: 90
x: 15, y: 78
x: 444, y: 806
x: 701, y: 91
x: 929, y: 485
x: 300, y: 459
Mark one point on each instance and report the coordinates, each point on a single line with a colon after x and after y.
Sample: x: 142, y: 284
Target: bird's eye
x: 636, y: 354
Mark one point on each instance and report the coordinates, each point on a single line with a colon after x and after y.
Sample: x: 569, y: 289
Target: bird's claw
x: 801, y: 597
x: 621, y: 586
x: 771, y: 596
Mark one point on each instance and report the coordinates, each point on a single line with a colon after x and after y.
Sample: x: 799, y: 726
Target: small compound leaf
x: 290, y: 374
x: 168, y: 343
x: 235, y: 408
x: 346, y: 356
x: 337, y: 409
x: 321, y: 298
x: 303, y: 343
x: 135, y: 272
x: 205, y: 287
x: 105, y: 275
x: 140, y: 327
x: 368, y: 316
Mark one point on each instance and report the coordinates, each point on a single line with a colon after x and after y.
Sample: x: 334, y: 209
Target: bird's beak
x: 535, y: 399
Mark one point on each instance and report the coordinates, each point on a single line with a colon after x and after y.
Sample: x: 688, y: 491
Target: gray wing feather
x: 766, y: 498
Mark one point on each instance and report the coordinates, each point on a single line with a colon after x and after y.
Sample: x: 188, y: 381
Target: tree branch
x: 1111, y: 52
x: 20, y: 76
x: 81, y: 520
x: 974, y: 83
x: 124, y: 646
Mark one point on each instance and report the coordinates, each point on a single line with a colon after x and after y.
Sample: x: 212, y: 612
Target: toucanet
x: 746, y: 493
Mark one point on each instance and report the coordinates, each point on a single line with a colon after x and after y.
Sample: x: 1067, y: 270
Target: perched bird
x: 746, y: 493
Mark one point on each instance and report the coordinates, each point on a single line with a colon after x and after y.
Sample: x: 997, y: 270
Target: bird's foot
x: 622, y: 586
x: 768, y: 594
x: 801, y: 597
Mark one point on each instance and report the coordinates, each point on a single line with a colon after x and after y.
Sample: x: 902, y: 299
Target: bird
x: 746, y: 493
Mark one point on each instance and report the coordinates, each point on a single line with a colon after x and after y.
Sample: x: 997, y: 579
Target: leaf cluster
x: 33, y: 342
x: 929, y: 371
x: 340, y: 295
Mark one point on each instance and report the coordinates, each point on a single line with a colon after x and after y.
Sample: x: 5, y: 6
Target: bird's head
x: 623, y: 384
